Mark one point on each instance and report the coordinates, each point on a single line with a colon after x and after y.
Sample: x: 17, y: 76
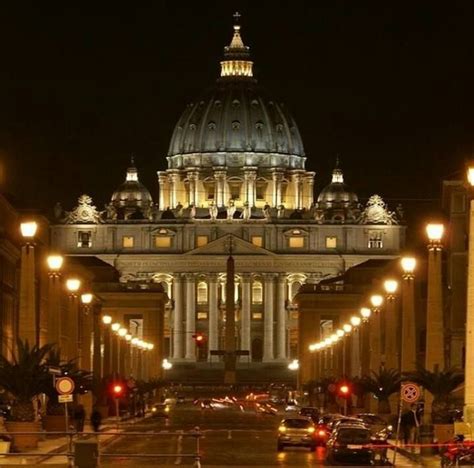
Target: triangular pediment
x: 221, y: 247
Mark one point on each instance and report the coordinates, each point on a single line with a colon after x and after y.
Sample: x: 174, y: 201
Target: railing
x: 68, y: 449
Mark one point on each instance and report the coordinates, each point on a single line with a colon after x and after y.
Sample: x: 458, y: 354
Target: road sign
x: 410, y: 392
x: 65, y: 385
x: 65, y: 398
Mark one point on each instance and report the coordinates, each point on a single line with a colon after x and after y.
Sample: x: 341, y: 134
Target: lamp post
x: 355, y: 348
x: 469, y: 364
x: 295, y: 366
x: 134, y: 356
x: 107, y: 362
x: 28, y: 318
x: 86, y: 330
x: 122, y: 349
x: 391, y: 325
x: 73, y: 285
x: 347, y: 328
x: 128, y: 354
x: 376, y: 301
x: 115, y: 342
x: 55, y: 322
x: 408, y: 344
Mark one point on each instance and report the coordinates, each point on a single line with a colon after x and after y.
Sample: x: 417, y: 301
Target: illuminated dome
x: 132, y: 193
x: 337, y: 193
x: 236, y: 116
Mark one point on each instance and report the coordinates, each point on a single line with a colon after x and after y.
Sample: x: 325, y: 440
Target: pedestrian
x: 410, y: 423
x: 79, y: 417
x: 96, y: 419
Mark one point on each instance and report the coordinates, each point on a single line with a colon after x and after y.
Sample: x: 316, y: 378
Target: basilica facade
x: 236, y: 184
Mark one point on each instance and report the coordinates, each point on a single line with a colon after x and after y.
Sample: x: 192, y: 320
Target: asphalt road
x: 230, y: 438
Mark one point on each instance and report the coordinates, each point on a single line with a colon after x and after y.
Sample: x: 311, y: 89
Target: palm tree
x: 382, y: 385
x: 25, y: 376
x: 441, y: 385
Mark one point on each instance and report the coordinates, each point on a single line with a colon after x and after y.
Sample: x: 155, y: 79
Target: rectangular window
x: 202, y: 315
x: 375, y: 240
x: 201, y: 241
x: 458, y: 203
x: 234, y: 189
x: 162, y: 242
x: 296, y: 242
x: 84, y: 239
x: 257, y: 240
x: 331, y: 242
x: 128, y: 242
x: 257, y: 315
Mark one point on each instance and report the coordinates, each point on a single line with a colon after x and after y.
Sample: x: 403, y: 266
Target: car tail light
x: 321, y: 433
x: 282, y: 429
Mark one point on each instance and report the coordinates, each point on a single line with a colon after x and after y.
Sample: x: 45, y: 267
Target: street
x: 230, y: 438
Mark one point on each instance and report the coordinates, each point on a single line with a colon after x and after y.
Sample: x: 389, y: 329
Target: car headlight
x: 153, y: 410
x: 311, y: 430
x: 390, y: 427
x: 282, y: 429
x: 167, y: 409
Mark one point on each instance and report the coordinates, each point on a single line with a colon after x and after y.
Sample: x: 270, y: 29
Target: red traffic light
x: 344, y: 390
x: 118, y: 390
x: 199, y: 338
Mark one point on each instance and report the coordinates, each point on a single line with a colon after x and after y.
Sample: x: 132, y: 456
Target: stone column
x: 250, y: 176
x: 192, y: 179
x: 213, y: 314
x: 434, y: 314
x: 219, y: 176
x: 55, y: 321
x: 190, y: 317
x: 309, y: 183
x: 391, y: 333
x: 245, y: 316
x: 178, y: 331
x: 277, y: 178
x: 469, y: 366
x: 27, y: 322
x: 282, y: 319
x: 164, y: 190
x: 297, y: 186
x: 174, y: 188
x: 408, y: 347
x: 268, y: 301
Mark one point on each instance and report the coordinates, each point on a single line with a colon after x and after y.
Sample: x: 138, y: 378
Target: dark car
x: 350, y: 444
x: 310, y: 412
x: 160, y: 410
x: 296, y: 432
x: 180, y: 399
x: 375, y: 423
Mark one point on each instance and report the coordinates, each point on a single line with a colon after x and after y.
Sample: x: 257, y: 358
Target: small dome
x: 132, y: 193
x: 337, y: 193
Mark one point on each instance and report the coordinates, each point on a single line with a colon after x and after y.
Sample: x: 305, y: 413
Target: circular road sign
x: 64, y: 385
x: 410, y: 392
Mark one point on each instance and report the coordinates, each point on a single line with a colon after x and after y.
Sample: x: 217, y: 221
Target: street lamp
x: 55, y: 322
x: 366, y: 313
x: 116, y: 327
x: 408, y: 336
x: 86, y: 298
x: 375, y: 331
x: 73, y: 285
x: 356, y: 321
x: 106, y: 319
x: 85, y: 332
x: 347, y: 328
x: 391, y: 324
x: 28, y: 323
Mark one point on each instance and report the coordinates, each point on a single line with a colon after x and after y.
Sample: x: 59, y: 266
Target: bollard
x: 86, y: 453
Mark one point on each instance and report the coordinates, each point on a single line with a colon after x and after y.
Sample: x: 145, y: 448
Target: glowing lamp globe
x: 28, y: 229
x: 390, y: 286
x: 376, y: 300
x: 435, y: 232
x: 55, y: 262
x: 408, y: 264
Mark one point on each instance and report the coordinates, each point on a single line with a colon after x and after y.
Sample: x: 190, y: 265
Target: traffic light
x: 344, y: 390
x: 117, y: 390
x: 199, y: 339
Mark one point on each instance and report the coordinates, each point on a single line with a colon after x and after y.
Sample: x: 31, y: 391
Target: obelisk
x: 230, y: 356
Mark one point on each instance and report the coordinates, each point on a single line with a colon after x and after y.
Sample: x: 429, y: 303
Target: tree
x: 441, y: 385
x: 25, y: 376
x: 382, y: 385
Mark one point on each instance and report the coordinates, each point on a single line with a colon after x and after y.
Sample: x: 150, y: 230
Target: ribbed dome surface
x: 132, y: 192
x: 236, y: 116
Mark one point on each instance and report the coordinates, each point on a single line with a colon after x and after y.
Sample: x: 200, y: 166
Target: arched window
x: 202, y: 292
x: 257, y: 292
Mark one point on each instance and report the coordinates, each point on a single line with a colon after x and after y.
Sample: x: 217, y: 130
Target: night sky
x: 387, y: 85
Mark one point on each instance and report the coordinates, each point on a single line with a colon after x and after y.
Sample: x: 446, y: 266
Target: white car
x: 292, y: 405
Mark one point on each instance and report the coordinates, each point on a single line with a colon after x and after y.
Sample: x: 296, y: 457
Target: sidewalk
x: 407, y: 457
x: 51, y: 445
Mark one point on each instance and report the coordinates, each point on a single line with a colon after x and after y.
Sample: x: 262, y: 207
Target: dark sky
x: 387, y: 84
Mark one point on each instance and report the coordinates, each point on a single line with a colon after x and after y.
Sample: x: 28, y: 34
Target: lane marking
x: 179, y: 447
x: 229, y: 435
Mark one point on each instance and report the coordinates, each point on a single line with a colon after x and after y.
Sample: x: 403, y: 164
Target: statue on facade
x: 58, y: 211
x: 281, y: 211
x: 267, y: 212
x: 154, y: 211
x: 213, y: 211
x: 192, y: 211
x: 110, y: 212
x: 179, y: 210
x: 231, y: 209
x: 247, y: 211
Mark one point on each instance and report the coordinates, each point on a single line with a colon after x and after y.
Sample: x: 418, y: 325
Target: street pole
x: 391, y: 325
x: 408, y: 346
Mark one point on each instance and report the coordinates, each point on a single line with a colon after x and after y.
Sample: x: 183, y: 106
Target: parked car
x: 350, y: 444
x: 297, y: 431
x: 375, y: 423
